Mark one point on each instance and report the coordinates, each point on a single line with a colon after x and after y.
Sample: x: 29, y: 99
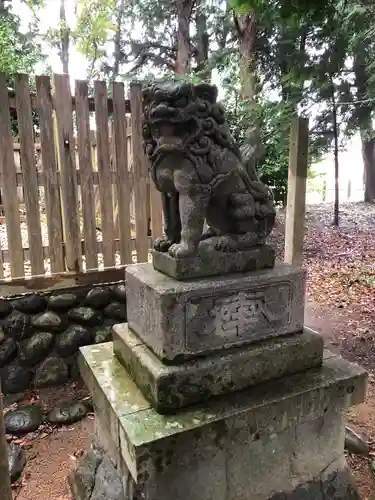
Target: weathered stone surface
x: 355, y: 444
x: 82, y: 479
x: 18, y: 325
x: 15, y: 378
x: 214, y: 263
x: 119, y: 292
x: 179, y: 319
x: 68, y: 412
x: 85, y: 316
x: 49, y: 322
x: 32, y: 304
x: 203, y: 164
x: 116, y: 310
x: 74, y: 337
x: 2, y: 335
x: 25, y: 419
x: 5, y: 308
x: 232, y: 447
x: 52, y: 371
x: 108, y: 484
x: 103, y: 334
x: 98, y: 297
x: 62, y: 301
x: 8, y: 349
x: 171, y: 387
x: 35, y: 349
x: 16, y: 461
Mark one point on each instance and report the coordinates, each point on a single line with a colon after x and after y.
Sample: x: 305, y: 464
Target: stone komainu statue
x: 197, y: 166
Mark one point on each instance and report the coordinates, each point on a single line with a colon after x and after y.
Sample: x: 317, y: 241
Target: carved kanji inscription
x: 238, y: 315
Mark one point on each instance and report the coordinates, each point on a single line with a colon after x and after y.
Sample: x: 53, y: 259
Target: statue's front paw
x: 181, y: 250
x: 162, y: 244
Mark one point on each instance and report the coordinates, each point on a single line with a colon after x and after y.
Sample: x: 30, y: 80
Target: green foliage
x: 18, y: 52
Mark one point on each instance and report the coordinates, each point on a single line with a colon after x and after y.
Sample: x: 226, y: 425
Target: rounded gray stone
x: 18, y: 325
x: 5, y: 308
x: 62, y: 301
x: 49, y: 321
x: 25, y: 419
x: 119, y: 292
x: 98, y: 297
x: 108, y: 483
x: 2, y: 335
x: 85, y: 316
x: 68, y: 412
x: 355, y: 444
x: 15, y: 378
x: 52, y: 371
x: 33, y: 304
x: 8, y: 349
x: 116, y: 310
x: 16, y: 461
x: 74, y: 337
x: 103, y: 334
x: 35, y: 349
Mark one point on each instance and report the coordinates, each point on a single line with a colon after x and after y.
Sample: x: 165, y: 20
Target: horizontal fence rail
x: 76, y: 202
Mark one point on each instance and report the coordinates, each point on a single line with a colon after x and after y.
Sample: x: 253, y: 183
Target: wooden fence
x: 78, y: 204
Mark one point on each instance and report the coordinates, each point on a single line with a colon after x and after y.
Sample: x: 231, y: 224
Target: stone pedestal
x: 280, y: 440
x: 182, y: 319
x: 214, y: 390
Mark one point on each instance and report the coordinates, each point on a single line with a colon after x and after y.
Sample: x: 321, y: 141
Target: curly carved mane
x: 199, y: 121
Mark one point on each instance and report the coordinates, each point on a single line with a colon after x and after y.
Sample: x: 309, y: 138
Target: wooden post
x: 296, y: 201
x: 5, y: 490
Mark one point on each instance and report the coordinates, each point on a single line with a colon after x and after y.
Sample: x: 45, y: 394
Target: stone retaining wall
x: 40, y: 333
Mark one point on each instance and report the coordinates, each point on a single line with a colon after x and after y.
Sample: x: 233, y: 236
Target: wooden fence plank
x: 85, y: 168
x: 296, y: 200
x: 140, y: 175
x: 69, y: 189
x: 28, y: 167
x: 50, y: 179
x: 9, y: 184
x: 105, y: 189
x: 123, y: 185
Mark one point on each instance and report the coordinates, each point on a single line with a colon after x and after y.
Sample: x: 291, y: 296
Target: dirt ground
x: 340, y: 304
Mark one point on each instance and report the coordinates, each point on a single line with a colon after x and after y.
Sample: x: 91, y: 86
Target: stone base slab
x: 170, y: 388
x: 180, y: 320
x: 214, y: 263
x: 96, y: 476
x: 282, y: 440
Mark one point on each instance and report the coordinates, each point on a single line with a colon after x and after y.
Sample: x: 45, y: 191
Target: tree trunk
x: 184, y: 11
x: 202, y: 42
x: 117, y: 40
x: 246, y: 32
x: 336, y: 154
x: 5, y: 490
x: 364, y: 118
x: 64, y: 39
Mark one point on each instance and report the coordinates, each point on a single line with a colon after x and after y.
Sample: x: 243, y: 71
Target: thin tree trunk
x: 336, y: 154
x: 117, y: 40
x: 202, y: 42
x: 5, y: 489
x: 184, y: 11
x: 246, y: 32
x: 65, y: 39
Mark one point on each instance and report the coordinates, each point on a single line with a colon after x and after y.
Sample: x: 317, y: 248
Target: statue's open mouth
x: 172, y: 135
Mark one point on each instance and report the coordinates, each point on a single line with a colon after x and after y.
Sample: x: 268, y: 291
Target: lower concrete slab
x: 170, y: 387
x: 281, y: 440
